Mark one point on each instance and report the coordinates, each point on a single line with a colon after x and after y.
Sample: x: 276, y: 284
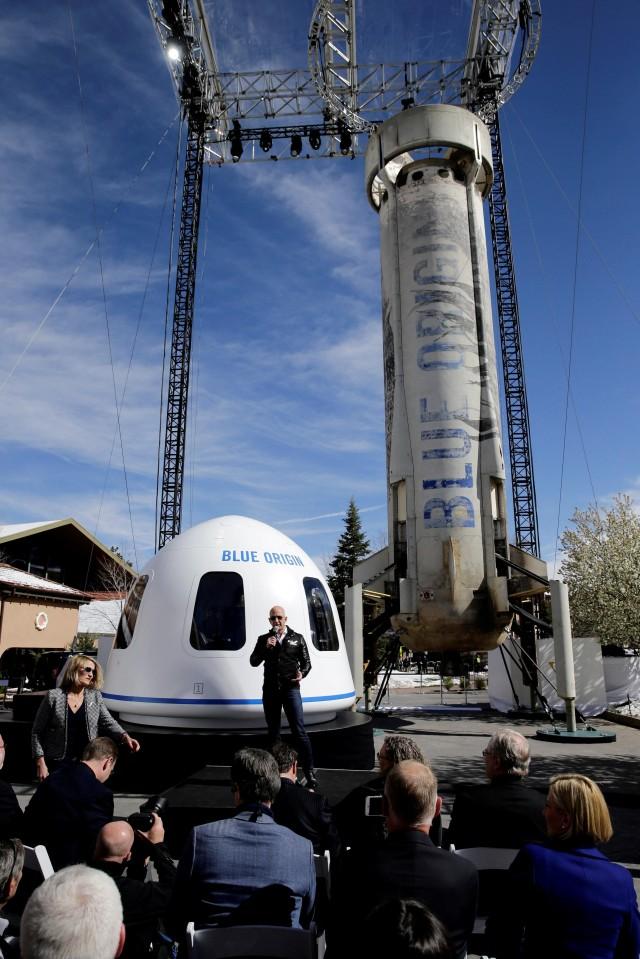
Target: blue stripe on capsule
x: 216, y: 702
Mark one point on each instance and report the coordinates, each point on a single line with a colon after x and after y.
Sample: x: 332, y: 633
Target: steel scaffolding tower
x: 523, y: 488
x: 230, y: 111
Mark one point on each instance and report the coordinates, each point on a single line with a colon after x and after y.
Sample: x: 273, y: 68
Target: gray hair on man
x: 11, y: 865
x: 399, y: 748
x: 510, y: 749
x: 75, y: 914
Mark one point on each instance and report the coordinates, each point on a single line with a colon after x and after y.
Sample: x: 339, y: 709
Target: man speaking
x: 286, y: 661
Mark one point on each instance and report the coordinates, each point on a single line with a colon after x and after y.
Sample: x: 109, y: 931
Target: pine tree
x: 352, y: 547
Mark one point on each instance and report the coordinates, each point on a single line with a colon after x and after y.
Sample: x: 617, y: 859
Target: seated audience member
x: 564, y: 898
x: 10, y: 812
x: 354, y: 827
x: 75, y: 914
x: 404, y: 929
x: 306, y: 813
x: 122, y: 854
x: 70, y: 807
x: 505, y: 812
x: 246, y: 869
x: 11, y: 863
x: 406, y: 865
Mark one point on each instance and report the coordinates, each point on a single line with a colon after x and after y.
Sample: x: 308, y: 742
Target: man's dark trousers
x: 274, y: 700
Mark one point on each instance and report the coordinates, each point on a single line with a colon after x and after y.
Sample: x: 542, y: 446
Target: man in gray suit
x: 247, y: 869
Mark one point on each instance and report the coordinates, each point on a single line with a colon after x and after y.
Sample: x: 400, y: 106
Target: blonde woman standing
x: 72, y: 715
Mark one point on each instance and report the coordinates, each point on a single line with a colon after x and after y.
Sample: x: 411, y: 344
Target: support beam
x: 178, y: 387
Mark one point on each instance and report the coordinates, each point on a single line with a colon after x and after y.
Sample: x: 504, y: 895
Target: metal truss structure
x: 268, y: 114
x: 522, y: 481
x: 178, y: 384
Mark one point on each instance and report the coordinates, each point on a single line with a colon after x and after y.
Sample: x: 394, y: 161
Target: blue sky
x: 286, y: 420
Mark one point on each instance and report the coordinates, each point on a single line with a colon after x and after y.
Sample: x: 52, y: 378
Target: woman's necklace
x: 75, y: 700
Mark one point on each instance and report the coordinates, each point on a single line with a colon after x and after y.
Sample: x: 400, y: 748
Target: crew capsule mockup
x: 191, y: 620
x: 427, y: 172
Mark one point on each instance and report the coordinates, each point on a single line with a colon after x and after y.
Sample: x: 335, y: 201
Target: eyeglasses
x: 87, y: 669
x: 271, y: 618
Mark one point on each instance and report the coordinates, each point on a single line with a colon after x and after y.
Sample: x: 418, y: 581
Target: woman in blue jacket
x: 565, y: 899
x: 70, y: 716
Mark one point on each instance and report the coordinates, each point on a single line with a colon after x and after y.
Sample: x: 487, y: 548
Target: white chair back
x: 36, y: 859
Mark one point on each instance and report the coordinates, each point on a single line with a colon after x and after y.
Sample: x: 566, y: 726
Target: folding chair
x: 485, y: 859
x: 36, y: 859
x: 267, y: 942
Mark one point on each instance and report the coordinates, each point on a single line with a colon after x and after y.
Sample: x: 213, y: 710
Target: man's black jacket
x: 405, y: 866
x: 66, y: 813
x: 504, y: 812
x: 10, y: 813
x: 306, y: 813
x: 143, y: 903
x: 282, y: 661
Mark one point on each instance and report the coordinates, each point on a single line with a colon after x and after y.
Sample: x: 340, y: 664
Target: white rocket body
x: 427, y: 171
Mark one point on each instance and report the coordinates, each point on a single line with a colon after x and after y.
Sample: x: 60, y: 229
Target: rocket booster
x: 427, y: 172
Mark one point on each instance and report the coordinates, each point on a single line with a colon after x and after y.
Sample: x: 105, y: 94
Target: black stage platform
x: 206, y: 796
x: 168, y: 756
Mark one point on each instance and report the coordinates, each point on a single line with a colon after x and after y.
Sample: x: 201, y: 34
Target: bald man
x: 144, y: 903
x: 286, y: 662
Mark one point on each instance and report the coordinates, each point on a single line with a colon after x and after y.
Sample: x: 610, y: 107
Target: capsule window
x: 127, y: 624
x: 324, y: 635
x: 218, y: 615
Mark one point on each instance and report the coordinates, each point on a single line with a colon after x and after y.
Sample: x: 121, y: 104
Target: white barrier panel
x: 591, y: 696
x: 621, y: 678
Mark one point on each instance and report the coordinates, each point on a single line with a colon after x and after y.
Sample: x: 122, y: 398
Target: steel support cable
x: 516, y: 698
x: 544, y: 702
x: 575, y: 274
x: 550, y: 306
x: 582, y: 225
x: 550, y: 682
x: 133, y: 347
x: 96, y: 227
x: 87, y: 252
x: 172, y: 234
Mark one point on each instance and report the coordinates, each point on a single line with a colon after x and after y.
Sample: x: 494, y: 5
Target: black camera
x: 143, y: 819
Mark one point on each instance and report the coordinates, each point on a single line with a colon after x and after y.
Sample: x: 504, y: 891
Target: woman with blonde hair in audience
x: 565, y: 899
x: 71, y: 716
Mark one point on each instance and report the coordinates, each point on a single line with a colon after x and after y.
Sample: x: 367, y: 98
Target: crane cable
x: 135, y: 338
x: 575, y: 275
x: 96, y: 227
x: 550, y: 306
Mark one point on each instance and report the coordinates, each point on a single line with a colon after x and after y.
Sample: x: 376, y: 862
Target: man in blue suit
x: 247, y: 869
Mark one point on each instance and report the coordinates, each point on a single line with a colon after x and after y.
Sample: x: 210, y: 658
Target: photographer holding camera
x: 123, y: 851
